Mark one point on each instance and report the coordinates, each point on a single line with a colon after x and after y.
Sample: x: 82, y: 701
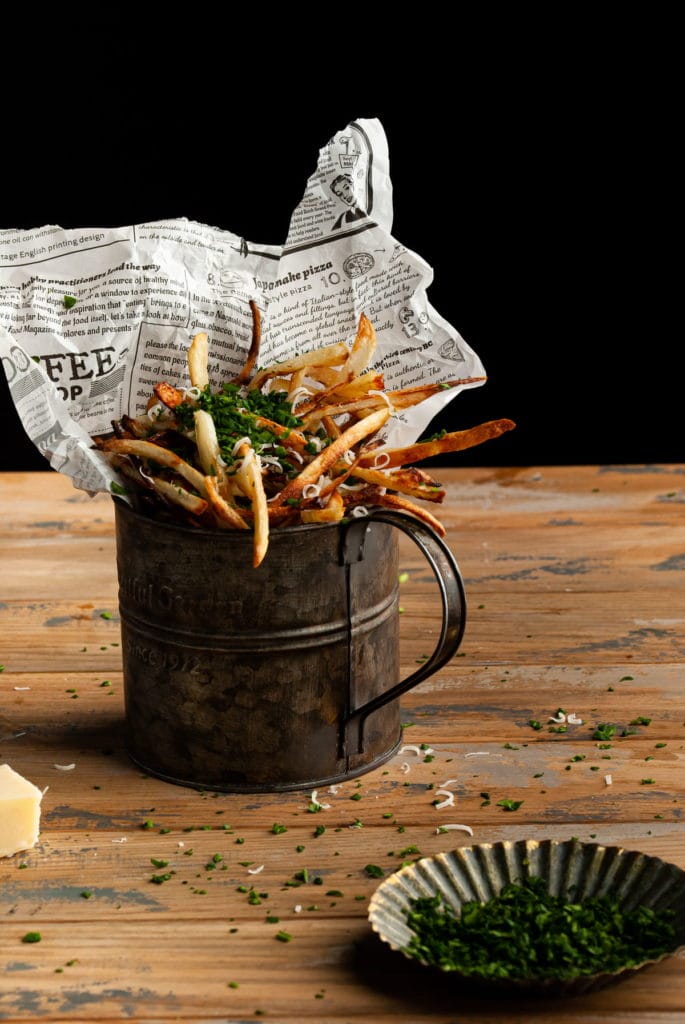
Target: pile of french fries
x: 325, y: 462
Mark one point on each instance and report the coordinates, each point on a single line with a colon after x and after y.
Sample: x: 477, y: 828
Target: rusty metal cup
x: 277, y: 678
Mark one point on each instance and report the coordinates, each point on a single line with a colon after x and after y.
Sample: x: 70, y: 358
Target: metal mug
x: 276, y: 678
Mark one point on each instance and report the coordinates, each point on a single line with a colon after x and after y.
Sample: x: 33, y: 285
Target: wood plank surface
x: 575, y: 578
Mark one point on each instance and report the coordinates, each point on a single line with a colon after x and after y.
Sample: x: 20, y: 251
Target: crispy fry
x: 198, y: 354
x: 394, y: 501
x: 311, y: 421
x: 179, y: 495
x: 168, y: 394
x: 332, y: 511
x: 249, y: 366
x: 405, y: 397
x: 362, y: 348
x: 296, y: 382
x: 340, y: 406
x: 287, y: 435
x: 330, y: 426
x: 136, y: 426
x: 227, y: 516
x: 326, y: 375
x: 249, y: 478
x: 329, y: 355
x: 349, y: 391
x: 155, y: 453
x: 208, y: 451
x: 454, y: 442
x: 329, y: 456
x: 413, y: 481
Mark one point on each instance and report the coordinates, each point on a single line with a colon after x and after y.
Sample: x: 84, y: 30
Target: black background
x: 532, y: 160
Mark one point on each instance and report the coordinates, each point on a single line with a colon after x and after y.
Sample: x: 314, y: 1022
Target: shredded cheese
x: 561, y: 717
x: 449, y: 782
x: 271, y: 460
x: 447, y: 802
x: 360, y: 511
x: 410, y: 748
x: 255, y: 871
x: 573, y: 719
x: 318, y: 803
x: 64, y: 767
x: 608, y: 779
x: 237, y: 446
x: 298, y: 395
x: 405, y: 767
x: 22, y: 687
x: 454, y: 828
x: 382, y: 394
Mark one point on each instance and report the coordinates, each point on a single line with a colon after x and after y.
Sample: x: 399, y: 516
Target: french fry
x: 414, y: 482
x: 329, y: 456
x: 338, y: 406
x: 312, y: 420
x: 163, y: 456
x: 406, y: 397
x: 294, y: 438
x: 454, y: 442
x: 179, y: 496
x: 351, y: 390
x: 332, y: 511
x: 330, y: 355
x: 198, y: 354
x: 296, y: 382
x: 249, y: 478
x: 326, y: 375
x: 330, y: 426
x: 249, y: 366
x: 394, y: 501
x: 362, y: 348
x: 208, y: 451
x: 169, y: 395
x: 227, y: 516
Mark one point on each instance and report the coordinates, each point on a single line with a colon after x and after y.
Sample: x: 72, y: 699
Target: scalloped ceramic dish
x: 479, y: 873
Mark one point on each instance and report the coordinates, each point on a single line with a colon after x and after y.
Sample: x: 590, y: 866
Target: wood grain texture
x: 575, y: 578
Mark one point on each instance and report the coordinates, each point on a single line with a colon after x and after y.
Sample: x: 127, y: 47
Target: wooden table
x: 575, y: 579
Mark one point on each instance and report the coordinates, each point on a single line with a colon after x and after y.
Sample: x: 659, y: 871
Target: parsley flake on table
x: 509, y: 805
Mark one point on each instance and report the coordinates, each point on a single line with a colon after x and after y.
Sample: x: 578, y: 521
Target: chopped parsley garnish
x: 525, y: 932
x: 31, y: 937
x: 235, y: 413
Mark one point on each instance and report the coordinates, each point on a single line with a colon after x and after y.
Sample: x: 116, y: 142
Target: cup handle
x: 451, y: 585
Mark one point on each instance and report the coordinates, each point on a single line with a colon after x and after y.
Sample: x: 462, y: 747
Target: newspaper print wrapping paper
x: 142, y: 292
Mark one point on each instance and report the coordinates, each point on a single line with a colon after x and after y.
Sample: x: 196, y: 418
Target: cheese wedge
x: 19, y: 812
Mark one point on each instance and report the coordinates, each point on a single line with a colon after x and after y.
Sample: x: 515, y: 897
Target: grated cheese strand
x: 454, y: 828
